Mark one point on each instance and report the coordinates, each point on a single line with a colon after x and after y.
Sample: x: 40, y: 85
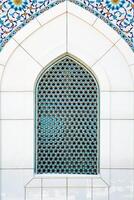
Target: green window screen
x: 67, y: 120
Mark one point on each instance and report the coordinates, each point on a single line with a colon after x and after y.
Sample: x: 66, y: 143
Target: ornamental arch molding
x: 117, y: 14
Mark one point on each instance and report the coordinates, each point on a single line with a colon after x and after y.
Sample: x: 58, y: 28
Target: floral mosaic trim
x: 118, y: 14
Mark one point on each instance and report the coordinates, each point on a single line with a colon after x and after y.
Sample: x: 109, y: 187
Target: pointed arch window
x: 67, y: 119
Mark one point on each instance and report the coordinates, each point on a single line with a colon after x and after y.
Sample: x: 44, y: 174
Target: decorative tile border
x: 118, y: 14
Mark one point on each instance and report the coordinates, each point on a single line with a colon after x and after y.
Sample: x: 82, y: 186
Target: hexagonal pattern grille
x: 67, y: 120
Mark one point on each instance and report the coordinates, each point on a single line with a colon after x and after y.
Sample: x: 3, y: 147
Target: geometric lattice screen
x: 67, y: 119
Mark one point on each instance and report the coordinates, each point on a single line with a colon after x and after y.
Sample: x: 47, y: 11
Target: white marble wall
x: 104, y: 52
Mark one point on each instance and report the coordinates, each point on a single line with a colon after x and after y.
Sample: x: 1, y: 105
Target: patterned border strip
x: 80, y: 3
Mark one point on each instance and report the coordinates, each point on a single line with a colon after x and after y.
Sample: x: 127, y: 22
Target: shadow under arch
x: 67, y: 119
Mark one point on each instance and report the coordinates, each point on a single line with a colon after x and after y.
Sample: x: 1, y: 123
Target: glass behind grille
x: 67, y: 120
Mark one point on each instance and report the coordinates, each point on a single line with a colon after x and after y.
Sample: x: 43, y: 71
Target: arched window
x: 67, y: 119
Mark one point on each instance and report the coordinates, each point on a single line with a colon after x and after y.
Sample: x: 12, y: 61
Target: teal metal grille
x: 67, y: 120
